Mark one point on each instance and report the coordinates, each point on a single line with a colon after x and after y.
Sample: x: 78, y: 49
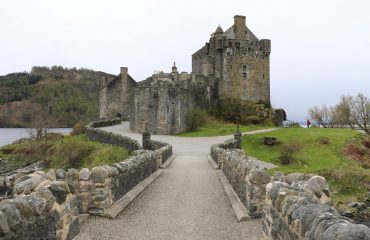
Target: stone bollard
x: 238, y: 137
x: 146, y: 139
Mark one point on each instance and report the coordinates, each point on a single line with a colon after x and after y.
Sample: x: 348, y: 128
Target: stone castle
x: 233, y: 63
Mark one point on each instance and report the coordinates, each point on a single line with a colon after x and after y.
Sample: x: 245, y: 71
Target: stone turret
x: 174, y: 72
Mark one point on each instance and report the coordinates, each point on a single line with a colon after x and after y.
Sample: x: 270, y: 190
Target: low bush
x: 289, y: 151
x: 78, y: 129
x: 196, y: 118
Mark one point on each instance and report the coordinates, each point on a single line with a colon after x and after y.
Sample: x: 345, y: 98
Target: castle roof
x: 230, y: 34
x: 219, y: 29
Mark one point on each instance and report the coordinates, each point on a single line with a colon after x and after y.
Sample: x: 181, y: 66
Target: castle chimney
x: 240, y: 27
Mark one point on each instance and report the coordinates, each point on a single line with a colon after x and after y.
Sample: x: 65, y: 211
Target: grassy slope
x: 314, y: 156
x: 346, y: 178
x: 60, y: 153
x: 216, y: 128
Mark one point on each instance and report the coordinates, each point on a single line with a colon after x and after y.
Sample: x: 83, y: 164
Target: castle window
x: 245, y: 71
x: 237, y: 45
x: 263, y: 76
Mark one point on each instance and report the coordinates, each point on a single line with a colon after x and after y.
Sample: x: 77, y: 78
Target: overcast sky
x: 320, y: 49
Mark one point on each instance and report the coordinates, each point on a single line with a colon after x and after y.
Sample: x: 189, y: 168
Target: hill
x: 53, y: 97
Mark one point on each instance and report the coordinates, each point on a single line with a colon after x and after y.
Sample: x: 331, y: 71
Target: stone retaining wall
x: 111, y: 138
x: 48, y: 205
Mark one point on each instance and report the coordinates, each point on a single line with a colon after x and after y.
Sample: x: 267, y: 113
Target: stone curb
x: 168, y: 162
x: 212, y: 162
x: 123, y: 202
x: 240, y: 211
x: 83, y: 217
x: 82, y: 236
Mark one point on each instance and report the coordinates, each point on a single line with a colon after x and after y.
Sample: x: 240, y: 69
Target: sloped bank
x: 295, y: 206
x: 48, y: 205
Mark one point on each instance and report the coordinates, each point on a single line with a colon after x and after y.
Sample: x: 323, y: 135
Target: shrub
x: 324, y: 140
x: 78, y: 129
x: 348, y: 179
x: 289, y: 151
x: 236, y: 110
x: 196, y: 118
x: 75, y: 153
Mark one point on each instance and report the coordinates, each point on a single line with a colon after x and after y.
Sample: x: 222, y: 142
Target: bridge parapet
x: 295, y: 206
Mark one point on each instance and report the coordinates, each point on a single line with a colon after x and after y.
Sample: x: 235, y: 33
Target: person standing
x: 308, y: 123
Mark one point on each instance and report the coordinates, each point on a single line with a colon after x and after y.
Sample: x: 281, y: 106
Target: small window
x: 263, y: 76
x: 244, y: 75
x: 244, y: 68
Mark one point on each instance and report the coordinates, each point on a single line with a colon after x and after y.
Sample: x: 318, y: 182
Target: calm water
x: 9, y: 135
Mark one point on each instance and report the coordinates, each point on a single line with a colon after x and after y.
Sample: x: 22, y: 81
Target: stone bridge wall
x: 104, y: 123
x: 111, y: 138
x: 298, y: 206
x: 295, y: 206
x: 246, y: 179
x: 48, y: 205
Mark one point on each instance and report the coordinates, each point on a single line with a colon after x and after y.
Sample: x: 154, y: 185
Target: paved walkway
x: 186, y: 202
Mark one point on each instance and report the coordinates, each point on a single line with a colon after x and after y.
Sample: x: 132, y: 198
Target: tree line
x: 351, y: 111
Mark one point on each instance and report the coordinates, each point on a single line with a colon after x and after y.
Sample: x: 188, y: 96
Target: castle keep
x: 233, y: 63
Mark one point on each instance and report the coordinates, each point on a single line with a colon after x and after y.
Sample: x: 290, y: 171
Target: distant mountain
x: 52, y: 97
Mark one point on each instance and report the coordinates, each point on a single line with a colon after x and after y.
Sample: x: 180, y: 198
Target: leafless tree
x: 350, y: 111
x: 323, y: 115
x: 360, y: 112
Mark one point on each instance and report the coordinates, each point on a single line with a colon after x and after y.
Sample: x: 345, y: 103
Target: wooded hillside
x: 53, y: 97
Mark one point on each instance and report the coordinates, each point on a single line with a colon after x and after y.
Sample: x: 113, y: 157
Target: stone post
x: 146, y: 138
x: 238, y: 137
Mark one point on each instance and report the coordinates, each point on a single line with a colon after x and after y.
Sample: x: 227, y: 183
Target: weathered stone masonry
x: 48, y: 205
x: 233, y: 63
x: 295, y: 206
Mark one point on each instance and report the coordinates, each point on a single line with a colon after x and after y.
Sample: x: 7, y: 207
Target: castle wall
x: 115, y: 96
x: 246, y: 76
x: 163, y: 108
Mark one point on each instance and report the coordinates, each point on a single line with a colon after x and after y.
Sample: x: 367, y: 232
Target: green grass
x: 314, y: 156
x: 347, y: 179
x: 216, y: 128
x: 71, y: 151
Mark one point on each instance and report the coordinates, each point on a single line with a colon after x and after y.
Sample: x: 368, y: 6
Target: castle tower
x: 238, y: 60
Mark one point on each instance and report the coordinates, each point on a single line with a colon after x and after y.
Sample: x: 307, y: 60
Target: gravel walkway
x: 186, y: 202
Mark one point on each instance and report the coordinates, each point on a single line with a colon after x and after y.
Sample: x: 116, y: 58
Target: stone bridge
x: 187, y: 201
x: 173, y: 191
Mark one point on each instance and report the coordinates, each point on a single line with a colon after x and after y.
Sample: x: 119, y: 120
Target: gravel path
x: 186, y: 202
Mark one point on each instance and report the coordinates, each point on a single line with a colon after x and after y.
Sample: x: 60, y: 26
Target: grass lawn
x: 216, y: 128
x: 67, y: 152
x: 314, y: 155
x: 321, y: 154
